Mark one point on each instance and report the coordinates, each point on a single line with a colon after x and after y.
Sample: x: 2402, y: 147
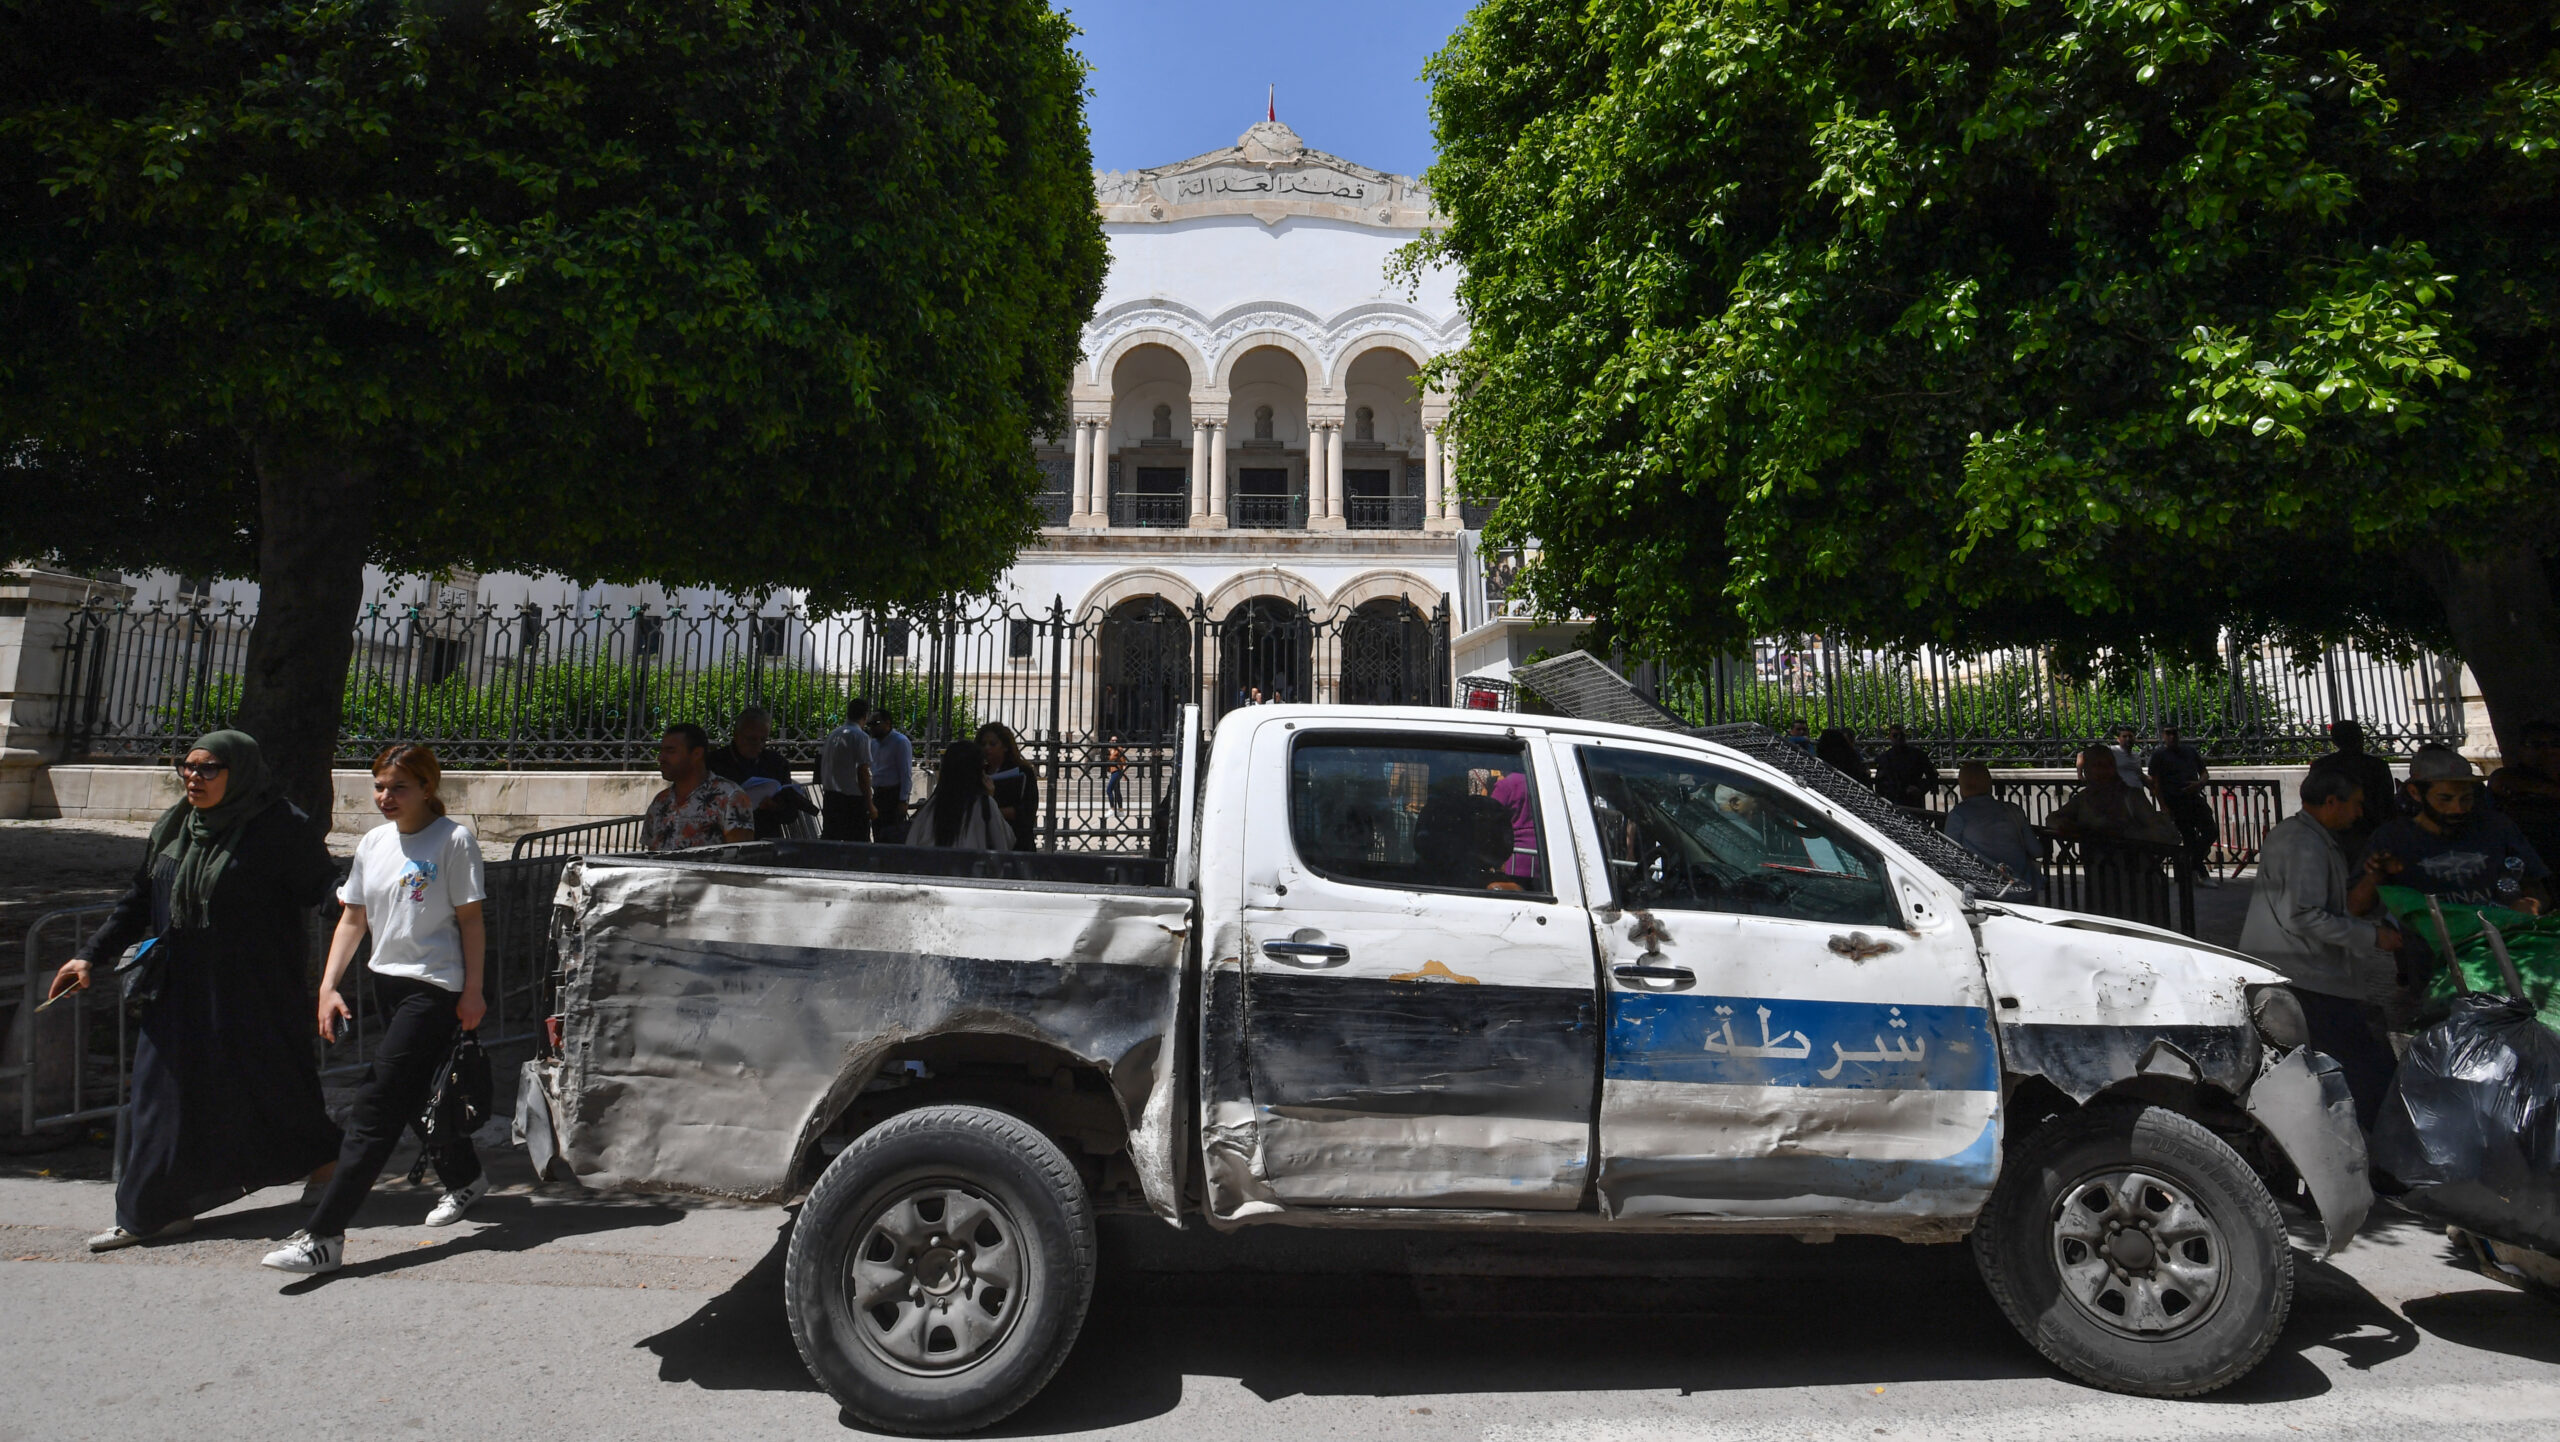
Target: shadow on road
x: 522, y: 1223
x: 739, y: 1340
x: 2501, y: 1321
x: 1415, y: 1315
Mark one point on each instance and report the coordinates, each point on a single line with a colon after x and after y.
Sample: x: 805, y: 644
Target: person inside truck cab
x: 697, y: 808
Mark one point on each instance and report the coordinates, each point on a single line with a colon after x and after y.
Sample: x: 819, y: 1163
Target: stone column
x: 1080, y: 480
x: 1449, y: 483
x: 1218, y: 473
x: 1333, y: 502
x: 1199, y: 472
x: 1099, y: 483
x: 1432, y: 491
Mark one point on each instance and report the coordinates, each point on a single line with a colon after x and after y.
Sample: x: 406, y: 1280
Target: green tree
x: 1975, y: 322
x: 698, y: 291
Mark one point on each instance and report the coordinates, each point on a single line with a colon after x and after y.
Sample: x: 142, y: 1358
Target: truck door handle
x: 1631, y: 972
x: 1301, y: 953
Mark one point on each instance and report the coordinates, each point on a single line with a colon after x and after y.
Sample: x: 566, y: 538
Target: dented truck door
x: 1796, y: 1028
x: 1420, y: 1016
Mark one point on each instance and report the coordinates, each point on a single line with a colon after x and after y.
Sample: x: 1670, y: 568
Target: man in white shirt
x: 893, y: 760
x: 844, y: 778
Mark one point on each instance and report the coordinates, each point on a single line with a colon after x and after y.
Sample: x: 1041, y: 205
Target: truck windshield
x: 1687, y: 836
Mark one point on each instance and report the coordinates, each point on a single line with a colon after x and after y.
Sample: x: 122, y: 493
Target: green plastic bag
x: 2533, y: 944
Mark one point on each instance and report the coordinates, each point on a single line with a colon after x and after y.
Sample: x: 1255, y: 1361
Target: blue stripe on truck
x: 1776, y: 1041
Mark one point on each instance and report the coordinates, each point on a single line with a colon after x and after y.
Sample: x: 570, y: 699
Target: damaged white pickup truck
x: 1436, y: 968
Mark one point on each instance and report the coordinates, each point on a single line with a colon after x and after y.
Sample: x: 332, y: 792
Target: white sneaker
x: 303, y: 1252
x: 450, y: 1210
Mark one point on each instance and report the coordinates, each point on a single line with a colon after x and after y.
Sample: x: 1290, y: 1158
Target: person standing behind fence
x: 2127, y: 756
x: 961, y: 813
x: 2106, y: 809
x: 1995, y: 830
x: 845, y: 786
x: 747, y: 760
x: 893, y: 772
x: 1016, y: 790
x: 226, y: 1095
x: 1838, y: 748
x: 1905, y: 775
x: 416, y: 888
x: 2307, y: 921
x: 2178, y: 776
x: 2372, y: 776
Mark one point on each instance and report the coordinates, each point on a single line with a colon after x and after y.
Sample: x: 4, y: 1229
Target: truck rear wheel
x: 939, y: 1273
x: 2137, y: 1252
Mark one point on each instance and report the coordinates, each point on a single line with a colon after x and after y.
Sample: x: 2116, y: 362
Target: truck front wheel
x: 939, y: 1273
x: 2137, y: 1252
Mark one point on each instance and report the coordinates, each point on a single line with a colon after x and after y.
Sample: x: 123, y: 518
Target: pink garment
x: 1513, y: 791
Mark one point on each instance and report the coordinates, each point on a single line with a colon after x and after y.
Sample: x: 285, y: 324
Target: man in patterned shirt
x: 697, y: 808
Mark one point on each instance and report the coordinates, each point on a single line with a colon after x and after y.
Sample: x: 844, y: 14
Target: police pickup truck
x: 1437, y: 969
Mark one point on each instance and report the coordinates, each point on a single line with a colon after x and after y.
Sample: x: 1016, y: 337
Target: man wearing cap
x: 2308, y: 920
x: 2455, y: 851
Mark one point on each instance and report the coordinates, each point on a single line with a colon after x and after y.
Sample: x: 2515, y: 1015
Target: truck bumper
x: 2303, y: 1104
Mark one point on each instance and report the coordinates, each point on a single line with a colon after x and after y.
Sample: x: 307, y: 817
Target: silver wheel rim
x: 2138, y: 1253
x: 935, y: 1278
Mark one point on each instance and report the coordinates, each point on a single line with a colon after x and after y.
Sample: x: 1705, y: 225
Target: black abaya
x: 226, y: 1093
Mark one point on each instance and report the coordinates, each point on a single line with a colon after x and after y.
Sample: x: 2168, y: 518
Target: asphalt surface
x: 565, y: 1316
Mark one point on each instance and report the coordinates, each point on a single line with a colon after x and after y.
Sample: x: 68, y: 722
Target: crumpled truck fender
x: 718, y: 1018
x: 2087, y: 1003
x: 2303, y: 1104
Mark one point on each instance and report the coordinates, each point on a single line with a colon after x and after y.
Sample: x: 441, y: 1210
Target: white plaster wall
x: 1217, y: 263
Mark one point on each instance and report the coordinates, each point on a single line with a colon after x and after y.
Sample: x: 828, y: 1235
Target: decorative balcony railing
x: 1267, y: 513
x: 1132, y: 508
x: 1384, y: 513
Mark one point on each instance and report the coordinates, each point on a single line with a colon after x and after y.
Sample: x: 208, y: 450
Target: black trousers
x: 841, y: 818
x: 891, y: 828
x: 417, y: 1036
x: 2195, y: 820
x: 2348, y: 1031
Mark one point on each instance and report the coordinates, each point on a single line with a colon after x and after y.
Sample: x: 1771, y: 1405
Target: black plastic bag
x: 2472, y: 1124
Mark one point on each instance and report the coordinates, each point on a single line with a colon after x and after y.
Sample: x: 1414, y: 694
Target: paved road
x: 565, y: 1317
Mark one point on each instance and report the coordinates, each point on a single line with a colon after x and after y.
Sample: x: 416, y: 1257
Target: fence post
x: 1444, y: 666
x: 1057, y: 668
x: 1201, y: 685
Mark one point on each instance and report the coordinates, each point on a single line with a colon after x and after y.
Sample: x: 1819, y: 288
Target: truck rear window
x: 1417, y: 813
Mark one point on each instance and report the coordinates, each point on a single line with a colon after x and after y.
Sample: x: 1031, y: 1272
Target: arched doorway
x: 1390, y: 655
x: 1266, y: 651
x: 1146, y: 670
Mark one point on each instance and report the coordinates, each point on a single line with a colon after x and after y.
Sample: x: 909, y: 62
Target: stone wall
x: 496, y: 805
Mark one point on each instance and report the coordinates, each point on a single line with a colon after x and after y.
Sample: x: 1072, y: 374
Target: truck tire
x: 939, y: 1273
x: 2137, y: 1252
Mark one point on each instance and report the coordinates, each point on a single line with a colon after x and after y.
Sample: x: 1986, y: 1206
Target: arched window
x: 1164, y: 423
x: 1266, y: 652
x: 1365, y: 425
x: 1262, y: 423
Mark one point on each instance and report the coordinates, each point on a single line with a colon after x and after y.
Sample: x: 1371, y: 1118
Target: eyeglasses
x: 202, y: 770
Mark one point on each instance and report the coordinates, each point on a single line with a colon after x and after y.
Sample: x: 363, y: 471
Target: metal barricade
x: 77, y: 1016
x: 2129, y: 880
x: 587, y: 838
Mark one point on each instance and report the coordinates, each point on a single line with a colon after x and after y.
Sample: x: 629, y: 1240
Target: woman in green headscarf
x: 226, y: 1094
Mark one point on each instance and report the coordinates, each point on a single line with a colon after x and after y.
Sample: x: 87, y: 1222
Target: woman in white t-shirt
x: 416, y: 887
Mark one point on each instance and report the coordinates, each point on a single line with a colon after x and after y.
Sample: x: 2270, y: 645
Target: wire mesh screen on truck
x: 1577, y: 684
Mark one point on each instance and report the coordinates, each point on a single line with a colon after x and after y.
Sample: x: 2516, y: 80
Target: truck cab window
x: 1417, y: 813
x: 1683, y: 835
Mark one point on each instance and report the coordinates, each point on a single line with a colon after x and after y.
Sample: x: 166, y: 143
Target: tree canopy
x: 1967, y: 322
x: 709, y: 292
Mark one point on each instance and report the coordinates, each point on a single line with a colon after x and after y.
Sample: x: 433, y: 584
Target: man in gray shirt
x: 893, y: 763
x: 2305, y: 921
x: 844, y: 778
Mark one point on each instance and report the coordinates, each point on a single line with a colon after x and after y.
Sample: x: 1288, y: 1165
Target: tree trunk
x: 2500, y: 607
x: 315, y: 525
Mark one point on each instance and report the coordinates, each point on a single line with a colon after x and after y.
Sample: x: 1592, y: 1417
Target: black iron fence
x: 1151, y: 510
x: 2259, y: 703
x: 1383, y: 513
x: 1093, y: 697
x: 2244, y: 810
x: 1267, y: 512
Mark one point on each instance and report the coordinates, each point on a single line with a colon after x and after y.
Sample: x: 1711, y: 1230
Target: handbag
x: 458, y: 1105
x: 141, y: 974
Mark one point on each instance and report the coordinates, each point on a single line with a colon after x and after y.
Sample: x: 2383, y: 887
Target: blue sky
x: 1172, y: 78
